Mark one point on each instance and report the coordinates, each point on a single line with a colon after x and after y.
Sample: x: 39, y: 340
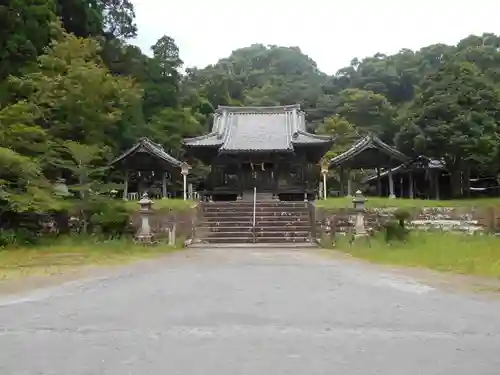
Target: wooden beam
x: 125, y: 188
x: 410, y: 185
x: 379, y: 183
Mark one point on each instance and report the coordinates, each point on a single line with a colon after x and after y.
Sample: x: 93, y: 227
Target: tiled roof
x: 257, y: 129
x: 155, y: 149
x: 369, y: 142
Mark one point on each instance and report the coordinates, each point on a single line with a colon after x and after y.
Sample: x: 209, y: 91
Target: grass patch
x: 381, y: 202
x: 458, y: 253
x: 70, y: 254
x: 177, y: 205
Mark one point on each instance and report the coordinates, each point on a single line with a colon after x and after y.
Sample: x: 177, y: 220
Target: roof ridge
x: 152, y: 147
x: 364, y: 143
x: 318, y: 136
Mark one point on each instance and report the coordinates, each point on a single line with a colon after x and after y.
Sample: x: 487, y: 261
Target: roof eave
x: 152, y: 149
x: 364, y: 144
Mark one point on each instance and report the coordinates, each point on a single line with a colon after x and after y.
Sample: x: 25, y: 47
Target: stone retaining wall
x: 455, y: 219
x: 161, y: 221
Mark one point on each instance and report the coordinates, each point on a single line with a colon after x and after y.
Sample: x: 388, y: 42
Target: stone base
x: 145, y: 239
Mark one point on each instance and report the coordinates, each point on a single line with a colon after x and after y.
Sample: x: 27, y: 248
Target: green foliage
x: 74, y: 93
x: 25, y: 30
x: 113, y: 221
x: 260, y: 75
x: 441, y: 251
x: 401, y: 216
x: 344, y: 132
x: 23, y: 187
x: 73, y: 96
x: 395, y: 229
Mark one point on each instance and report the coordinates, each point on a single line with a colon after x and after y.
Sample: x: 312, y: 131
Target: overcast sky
x: 331, y: 32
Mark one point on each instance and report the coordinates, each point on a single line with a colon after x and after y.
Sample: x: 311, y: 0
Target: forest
x: 74, y: 93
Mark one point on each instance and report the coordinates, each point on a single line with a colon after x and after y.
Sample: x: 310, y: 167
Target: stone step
x: 284, y: 228
x: 258, y: 204
x: 257, y: 214
x: 276, y: 228
x: 248, y: 223
x: 278, y: 245
x: 287, y: 234
x: 250, y: 209
x: 259, y: 222
x: 239, y: 240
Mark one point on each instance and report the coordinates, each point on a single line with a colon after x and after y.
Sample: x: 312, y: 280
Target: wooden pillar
x: 349, y: 183
x: 275, y: 175
x: 410, y: 185
x: 240, y: 180
x: 436, y: 184
x: 341, y: 176
x: 379, y: 183
x: 391, y: 183
x: 125, y: 188
x: 164, y: 184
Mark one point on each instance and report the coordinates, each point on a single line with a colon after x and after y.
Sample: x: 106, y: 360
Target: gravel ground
x: 246, y: 312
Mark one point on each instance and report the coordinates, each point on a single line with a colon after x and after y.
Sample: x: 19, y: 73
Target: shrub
x: 395, y: 229
x: 112, y: 221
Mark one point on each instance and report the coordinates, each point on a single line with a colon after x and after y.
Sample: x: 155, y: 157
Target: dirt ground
x: 445, y: 281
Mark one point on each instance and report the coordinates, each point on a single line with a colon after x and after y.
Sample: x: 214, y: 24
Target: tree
x: 85, y: 164
x: 260, y: 75
x: 344, y: 132
x: 75, y: 97
x: 455, y: 119
x: 82, y: 18
x: 23, y: 187
x: 25, y: 30
x: 118, y: 19
x: 19, y: 131
x: 162, y: 87
x: 170, y: 126
x: 367, y: 111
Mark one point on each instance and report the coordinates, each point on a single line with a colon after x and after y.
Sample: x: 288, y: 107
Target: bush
x: 112, y: 221
x: 395, y: 229
x: 401, y: 216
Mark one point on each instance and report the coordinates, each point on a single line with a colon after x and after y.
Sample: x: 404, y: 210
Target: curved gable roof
x: 368, y: 144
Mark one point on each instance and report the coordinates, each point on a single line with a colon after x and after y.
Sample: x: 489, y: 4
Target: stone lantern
x: 358, y: 203
x: 145, y: 234
x: 61, y: 189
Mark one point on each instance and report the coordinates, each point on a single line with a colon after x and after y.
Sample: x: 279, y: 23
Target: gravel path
x: 249, y: 312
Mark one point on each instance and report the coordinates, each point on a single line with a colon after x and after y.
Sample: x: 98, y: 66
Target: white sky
x: 330, y: 32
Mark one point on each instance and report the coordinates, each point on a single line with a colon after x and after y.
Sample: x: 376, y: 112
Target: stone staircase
x: 232, y: 222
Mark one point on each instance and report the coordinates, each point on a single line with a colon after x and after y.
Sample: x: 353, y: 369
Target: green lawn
x: 459, y: 253
x: 178, y: 205
x: 379, y: 202
x: 70, y: 254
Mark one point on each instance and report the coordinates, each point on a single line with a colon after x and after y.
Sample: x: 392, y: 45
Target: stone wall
x: 458, y: 219
x: 162, y: 220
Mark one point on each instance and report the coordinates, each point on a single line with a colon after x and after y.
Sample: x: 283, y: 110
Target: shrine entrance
x: 260, y: 176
